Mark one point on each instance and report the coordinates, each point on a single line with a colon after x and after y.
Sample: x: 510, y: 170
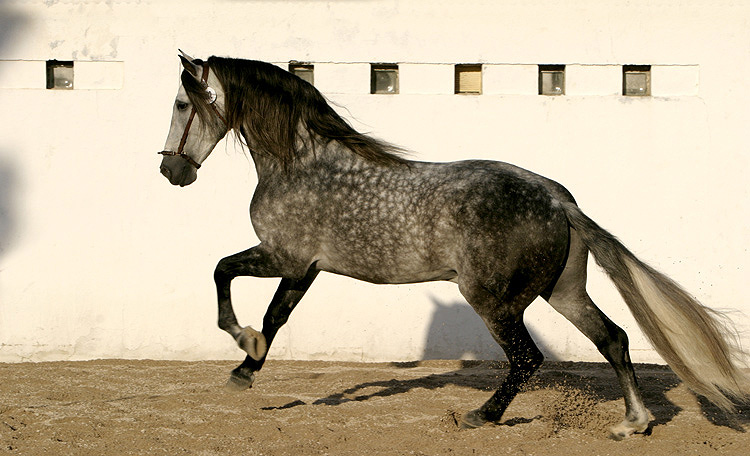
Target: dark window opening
x: 59, y: 74
x: 468, y: 79
x: 384, y: 78
x: 636, y: 80
x: 304, y: 71
x: 551, y: 79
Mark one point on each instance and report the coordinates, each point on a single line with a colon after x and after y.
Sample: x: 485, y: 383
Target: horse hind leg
x: 524, y: 357
x: 507, y: 327
x: 569, y: 297
x: 612, y: 343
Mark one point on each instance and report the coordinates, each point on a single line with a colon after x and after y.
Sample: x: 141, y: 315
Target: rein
x: 183, y: 140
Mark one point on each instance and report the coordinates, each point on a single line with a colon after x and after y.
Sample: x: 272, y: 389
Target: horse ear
x: 185, y: 55
x: 187, y: 63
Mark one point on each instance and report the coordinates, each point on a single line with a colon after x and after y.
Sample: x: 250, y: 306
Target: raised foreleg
x: 258, y: 262
x: 289, y: 293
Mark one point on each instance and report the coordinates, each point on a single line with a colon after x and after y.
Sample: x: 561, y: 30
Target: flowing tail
x: 698, y: 343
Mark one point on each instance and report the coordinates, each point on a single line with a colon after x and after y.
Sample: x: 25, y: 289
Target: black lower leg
x: 525, y: 358
x: 494, y: 408
x: 615, y: 350
x: 520, y: 372
x: 286, y: 298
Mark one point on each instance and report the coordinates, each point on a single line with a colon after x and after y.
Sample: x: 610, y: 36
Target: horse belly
x: 388, y: 276
x: 384, y: 266
x: 390, y: 255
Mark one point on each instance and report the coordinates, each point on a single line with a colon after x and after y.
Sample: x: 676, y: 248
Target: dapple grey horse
x: 332, y: 199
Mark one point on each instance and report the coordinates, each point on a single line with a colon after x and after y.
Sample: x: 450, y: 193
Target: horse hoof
x: 618, y: 434
x: 239, y: 382
x: 473, y: 420
x: 624, y: 430
x: 253, y: 343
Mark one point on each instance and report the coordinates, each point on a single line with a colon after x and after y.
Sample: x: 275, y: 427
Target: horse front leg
x: 289, y: 293
x: 256, y: 262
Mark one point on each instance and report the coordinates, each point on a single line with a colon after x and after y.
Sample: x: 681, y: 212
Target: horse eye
x: 181, y: 105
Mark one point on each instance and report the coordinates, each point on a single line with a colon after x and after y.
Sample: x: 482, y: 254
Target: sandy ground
x: 310, y: 408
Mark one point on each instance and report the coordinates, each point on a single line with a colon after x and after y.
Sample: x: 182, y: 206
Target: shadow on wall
x: 10, y: 23
x: 8, y: 183
x: 457, y: 332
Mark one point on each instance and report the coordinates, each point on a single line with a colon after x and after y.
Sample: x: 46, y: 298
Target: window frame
x: 306, y: 67
x: 461, y: 68
x: 51, y: 66
x: 376, y: 68
x: 636, y: 70
x: 550, y: 69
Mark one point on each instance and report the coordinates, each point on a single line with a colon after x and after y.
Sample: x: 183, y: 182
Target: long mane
x: 270, y: 105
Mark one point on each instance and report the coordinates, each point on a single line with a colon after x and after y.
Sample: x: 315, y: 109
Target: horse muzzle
x: 178, y: 171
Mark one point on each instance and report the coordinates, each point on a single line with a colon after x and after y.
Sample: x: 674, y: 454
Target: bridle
x: 183, y: 140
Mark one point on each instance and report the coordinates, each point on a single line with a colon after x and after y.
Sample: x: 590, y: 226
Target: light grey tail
x: 698, y: 343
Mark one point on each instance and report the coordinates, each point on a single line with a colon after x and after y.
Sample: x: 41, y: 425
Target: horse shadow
x: 737, y: 421
x: 456, y: 332
x: 447, y: 340
x: 486, y: 376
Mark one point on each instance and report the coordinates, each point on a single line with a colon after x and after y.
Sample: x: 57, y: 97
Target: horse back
x: 416, y: 222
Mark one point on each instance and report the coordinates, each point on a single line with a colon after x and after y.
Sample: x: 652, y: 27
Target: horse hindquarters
x: 500, y: 279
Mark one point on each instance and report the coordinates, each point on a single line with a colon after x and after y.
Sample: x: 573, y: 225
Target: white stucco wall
x: 101, y: 257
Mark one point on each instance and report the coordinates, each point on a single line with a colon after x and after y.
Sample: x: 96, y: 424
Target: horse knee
x: 222, y: 272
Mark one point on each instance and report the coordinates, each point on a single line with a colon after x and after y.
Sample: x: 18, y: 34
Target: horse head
x: 197, y: 123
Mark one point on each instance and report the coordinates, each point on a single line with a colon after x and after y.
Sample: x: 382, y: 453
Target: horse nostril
x: 166, y: 172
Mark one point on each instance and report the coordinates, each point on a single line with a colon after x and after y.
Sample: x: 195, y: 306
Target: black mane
x: 269, y: 104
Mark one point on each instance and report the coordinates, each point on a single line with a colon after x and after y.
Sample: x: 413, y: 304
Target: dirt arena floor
x: 317, y: 408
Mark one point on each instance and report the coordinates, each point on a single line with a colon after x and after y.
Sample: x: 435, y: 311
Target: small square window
x: 636, y: 80
x: 303, y: 71
x: 551, y: 79
x: 59, y: 74
x: 468, y: 79
x: 384, y: 78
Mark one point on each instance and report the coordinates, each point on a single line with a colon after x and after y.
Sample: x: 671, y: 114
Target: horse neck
x: 311, y: 152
